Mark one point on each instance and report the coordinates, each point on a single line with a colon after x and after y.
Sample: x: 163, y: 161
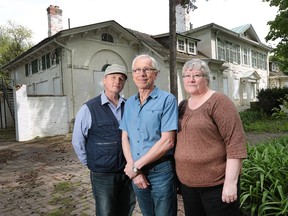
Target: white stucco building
x: 70, y: 63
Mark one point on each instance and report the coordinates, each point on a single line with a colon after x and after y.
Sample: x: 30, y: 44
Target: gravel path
x: 254, y: 138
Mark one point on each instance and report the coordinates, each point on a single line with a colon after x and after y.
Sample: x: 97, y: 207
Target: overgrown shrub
x: 269, y: 99
x: 281, y: 112
x: 264, y: 180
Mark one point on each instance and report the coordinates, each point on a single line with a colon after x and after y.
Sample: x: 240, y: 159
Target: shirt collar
x: 153, y: 94
x: 104, y: 99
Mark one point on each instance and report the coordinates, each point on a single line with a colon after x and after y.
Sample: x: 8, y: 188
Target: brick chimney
x: 182, y: 18
x: 55, y: 23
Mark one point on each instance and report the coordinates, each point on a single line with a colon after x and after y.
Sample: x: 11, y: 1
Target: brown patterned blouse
x: 208, y: 136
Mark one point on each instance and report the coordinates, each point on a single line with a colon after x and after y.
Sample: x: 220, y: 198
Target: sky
x: 149, y: 16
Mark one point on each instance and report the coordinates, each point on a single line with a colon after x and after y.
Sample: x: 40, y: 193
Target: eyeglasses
x: 145, y: 70
x: 195, y: 77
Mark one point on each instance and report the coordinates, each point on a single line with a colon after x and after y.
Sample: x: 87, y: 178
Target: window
x: 228, y: 54
x: 191, y: 47
x: 47, y: 60
x: 28, y: 69
x: 54, y: 57
x: 245, y: 56
x: 221, y: 49
x: 107, y: 38
x: 43, y: 62
x: 236, y: 54
x: 40, y: 64
x: 274, y: 67
x: 180, y: 45
x: 254, y: 58
x: 34, y: 66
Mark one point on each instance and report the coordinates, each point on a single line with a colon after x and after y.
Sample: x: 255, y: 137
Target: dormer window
x: 181, y: 45
x: 186, y: 45
x: 191, y: 47
x: 107, y: 38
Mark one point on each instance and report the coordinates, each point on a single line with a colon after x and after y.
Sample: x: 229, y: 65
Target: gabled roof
x: 156, y: 44
x: 246, y: 33
x: 63, y: 36
x: 251, y: 75
x: 134, y: 37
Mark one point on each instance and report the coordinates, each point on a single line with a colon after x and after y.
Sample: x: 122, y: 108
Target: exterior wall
x: 41, y: 83
x: 206, y: 44
x: 83, y: 80
x: 231, y: 81
x: 278, y: 82
x: 39, y: 116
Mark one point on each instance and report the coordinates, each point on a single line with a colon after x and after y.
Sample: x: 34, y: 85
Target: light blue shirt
x: 83, y: 123
x: 144, y: 124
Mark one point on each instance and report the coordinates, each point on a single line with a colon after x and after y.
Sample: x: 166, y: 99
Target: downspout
x: 72, y: 85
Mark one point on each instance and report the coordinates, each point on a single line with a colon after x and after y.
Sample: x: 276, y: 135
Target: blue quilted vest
x: 103, y: 146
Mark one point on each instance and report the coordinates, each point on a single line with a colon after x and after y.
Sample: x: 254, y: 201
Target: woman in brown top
x: 210, y: 147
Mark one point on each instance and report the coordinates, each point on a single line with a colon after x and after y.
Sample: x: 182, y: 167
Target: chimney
x: 55, y: 23
x: 182, y: 18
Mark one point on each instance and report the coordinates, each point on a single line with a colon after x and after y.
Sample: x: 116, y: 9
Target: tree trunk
x: 172, y: 45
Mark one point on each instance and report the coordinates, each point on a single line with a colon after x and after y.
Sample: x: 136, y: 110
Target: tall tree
x: 14, y: 40
x: 189, y: 5
x: 279, y: 32
x: 172, y: 45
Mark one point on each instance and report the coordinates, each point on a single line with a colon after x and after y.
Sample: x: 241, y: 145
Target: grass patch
x: 61, y: 198
x: 63, y: 187
x: 258, y: 122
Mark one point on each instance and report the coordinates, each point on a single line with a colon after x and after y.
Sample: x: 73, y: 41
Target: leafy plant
x: 264, y: 179
x: 281, y: 112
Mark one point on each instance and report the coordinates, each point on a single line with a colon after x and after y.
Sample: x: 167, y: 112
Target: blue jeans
x: 113, y: 194
x: 160, y: 198
x: 207, y: 201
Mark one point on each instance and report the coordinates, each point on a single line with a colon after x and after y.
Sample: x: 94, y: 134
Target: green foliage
x: 189, y: 5
x: 249, y: 116
x: 14, y: 40
x: 258, y: 122
x: 278, y: 32
x: 269, y: 99
x: 281, y: 112
x: 264, y: 178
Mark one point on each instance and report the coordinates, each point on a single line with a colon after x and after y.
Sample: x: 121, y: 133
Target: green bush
x: 264, y: 180
x: 269, y: 99
x: 281, y: 112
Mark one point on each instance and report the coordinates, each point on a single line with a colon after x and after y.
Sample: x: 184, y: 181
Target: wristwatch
x: 134, y: 168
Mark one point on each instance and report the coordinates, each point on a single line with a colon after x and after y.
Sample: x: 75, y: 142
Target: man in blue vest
x: 97, y: 142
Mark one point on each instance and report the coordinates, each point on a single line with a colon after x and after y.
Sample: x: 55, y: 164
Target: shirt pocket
x: 106, y: 128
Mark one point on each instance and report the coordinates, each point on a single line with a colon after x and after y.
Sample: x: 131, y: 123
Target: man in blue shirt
x: 148, y: 129
x: 97, y: 142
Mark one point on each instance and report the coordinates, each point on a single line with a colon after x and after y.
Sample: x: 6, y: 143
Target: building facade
x: 71, y: 62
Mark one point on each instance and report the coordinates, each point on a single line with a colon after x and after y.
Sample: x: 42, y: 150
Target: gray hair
x: 197, y: 64
x: 154, y: 62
